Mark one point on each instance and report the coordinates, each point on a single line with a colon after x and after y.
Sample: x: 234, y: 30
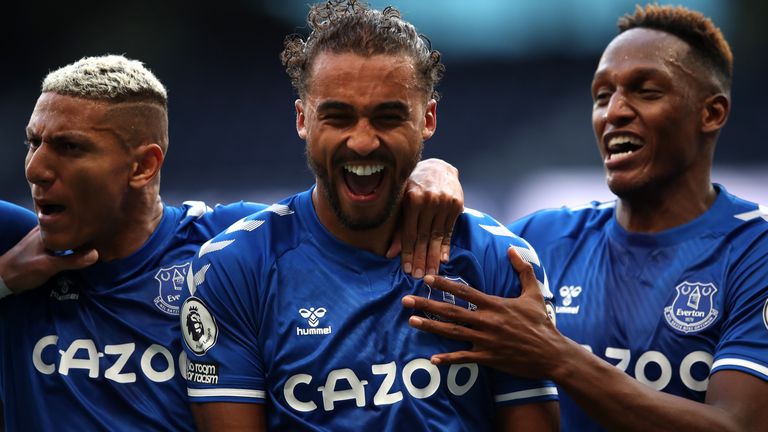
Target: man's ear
x: 146, y: 165
x: 430, y: 120
x: 301, y: 127
x: 715, y: 113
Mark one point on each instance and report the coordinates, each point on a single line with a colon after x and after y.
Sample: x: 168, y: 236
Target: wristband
x: 4, y: 291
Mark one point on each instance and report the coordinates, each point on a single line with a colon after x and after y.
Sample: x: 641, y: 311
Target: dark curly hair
x: 340, y: 26
x: 707, y: 41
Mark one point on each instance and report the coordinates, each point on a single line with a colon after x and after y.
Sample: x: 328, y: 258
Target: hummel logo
x: 568, y: 293
x: 313, y: 315
x: 63, y: 285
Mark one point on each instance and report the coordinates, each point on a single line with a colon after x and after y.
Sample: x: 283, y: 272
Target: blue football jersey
x: 99, y: 348
x: 15, y: 223
x: 284, y: 314
x: 669, y: 308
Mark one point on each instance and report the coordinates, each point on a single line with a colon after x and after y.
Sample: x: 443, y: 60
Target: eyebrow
x: 643, y: 72
x: 333, y: 105
x: 392, y: 105
x: 60, y: 136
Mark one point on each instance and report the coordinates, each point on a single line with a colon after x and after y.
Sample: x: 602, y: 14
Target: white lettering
x: 434, y: 378
x: 290, y: 395
x: 91, y: 364
x: 83, y: 354
x: 354, y: 389
x: 331, y: 395
x: 689, y: 313
x: 115, y: 372
x: 461, y: 389
x: 658, y: 358
x: 146, y: 363
x: 37, y: 354
x: 620, y: 354
x: 300, y: 331
x: 687, y: 364
x: 382, y: 396
x: 567, y: 309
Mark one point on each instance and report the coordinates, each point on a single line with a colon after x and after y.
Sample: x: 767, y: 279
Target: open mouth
x: 363, y: 180
x: 47, y: 209
x: 622, y: 146
x: 51, y: 209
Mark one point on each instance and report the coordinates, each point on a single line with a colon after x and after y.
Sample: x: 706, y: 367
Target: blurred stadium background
x: 514, y: 118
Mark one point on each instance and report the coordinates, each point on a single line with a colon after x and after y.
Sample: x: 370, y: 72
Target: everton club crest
x: 438, y: 295
x: 693, y: 309
x: 172, y: 281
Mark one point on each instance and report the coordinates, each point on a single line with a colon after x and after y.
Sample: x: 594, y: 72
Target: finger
x: 435, y: 246
x: 528, y: 281
x: 423, y: 237
x: 458, y: 357
x: 75, y: 261
x: 408, y: 230
x: 462, y: 290
x: 455, y: 209
x: 446, y: 310
x: 447, y: 330
x: 396, y: 246
x: 445, y: 246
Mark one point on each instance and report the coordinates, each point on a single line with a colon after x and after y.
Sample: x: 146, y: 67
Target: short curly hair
x: 341, y: 26
x: 706, y: 39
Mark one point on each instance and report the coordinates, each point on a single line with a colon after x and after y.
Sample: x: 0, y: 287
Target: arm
x: 222, y: 416
x: 432, y: 201
x: 515, y: 335
x: 28, y: 265
x: 542, y: 416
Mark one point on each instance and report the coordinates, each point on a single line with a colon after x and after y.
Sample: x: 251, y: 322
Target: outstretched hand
x: 432, y: 202
x: 514, y: 335
x: 29, y: 265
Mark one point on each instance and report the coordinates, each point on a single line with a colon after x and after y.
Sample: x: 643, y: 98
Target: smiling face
x: 364, y: 120
x: 78, y: 167
x: 647, y: 113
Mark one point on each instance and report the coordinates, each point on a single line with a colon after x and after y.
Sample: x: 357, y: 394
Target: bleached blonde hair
x: 113, y: 78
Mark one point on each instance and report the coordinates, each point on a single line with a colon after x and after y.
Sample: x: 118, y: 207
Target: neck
x: 662, y: 208
x: 376, y: 240
x: 138, y: 219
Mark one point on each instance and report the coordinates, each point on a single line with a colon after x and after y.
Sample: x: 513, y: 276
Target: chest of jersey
x: 641, y: 311
x: 99, y: 348
x: 340, y: 344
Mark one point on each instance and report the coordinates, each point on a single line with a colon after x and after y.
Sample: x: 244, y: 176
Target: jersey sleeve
x: 219, y: 321
x: 16, y: 223
x: 744, y: 342
x: 502, y: 280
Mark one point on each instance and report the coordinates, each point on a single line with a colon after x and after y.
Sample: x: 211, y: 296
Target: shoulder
x: 475, y: 229
x: 481, y: 242
x: 745, y: 224
x: 16, y: 221
x: 256, y: 238
x: 745, y: 215
x: 219, y: 216
x: 567, y: 221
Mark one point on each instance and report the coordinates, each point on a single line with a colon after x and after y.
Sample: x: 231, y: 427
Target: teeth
x: 363, y: 170
x: 624, y: 139
x: 618, y: 155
